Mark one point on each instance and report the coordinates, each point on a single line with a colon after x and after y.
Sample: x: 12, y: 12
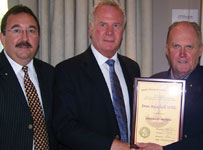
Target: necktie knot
x: 25, y: 69
x: 110, y: 62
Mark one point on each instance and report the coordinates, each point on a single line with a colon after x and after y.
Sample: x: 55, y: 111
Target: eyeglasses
x: 30, y: 32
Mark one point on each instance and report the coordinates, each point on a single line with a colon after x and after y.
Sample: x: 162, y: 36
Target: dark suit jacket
x: 193, y: 119
x: 16, y: 132
x: 84, y: 117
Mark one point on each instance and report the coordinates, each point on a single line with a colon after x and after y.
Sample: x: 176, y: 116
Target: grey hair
x: 107, y: 3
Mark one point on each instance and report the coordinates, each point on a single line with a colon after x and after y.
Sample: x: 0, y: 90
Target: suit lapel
x: 41, y: 75
x: 10, y: 80
x: 92, y: 69
x: 128, y: 79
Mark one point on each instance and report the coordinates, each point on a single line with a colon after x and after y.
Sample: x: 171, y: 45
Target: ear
x: 200, y: 50
x: 2, y: 38
x: 90, y: 29
x: 167, y: 49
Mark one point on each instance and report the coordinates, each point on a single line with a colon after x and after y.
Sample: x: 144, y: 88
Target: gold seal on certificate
x: 144, y: 132
x: 158, y: 110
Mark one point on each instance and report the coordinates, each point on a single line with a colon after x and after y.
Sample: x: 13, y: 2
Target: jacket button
x: 30, y: 126
x: 185, y: 136
x: 190, y: 85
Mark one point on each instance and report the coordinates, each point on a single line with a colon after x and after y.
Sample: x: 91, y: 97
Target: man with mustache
x: 92, y: 112
x: 25, y: 85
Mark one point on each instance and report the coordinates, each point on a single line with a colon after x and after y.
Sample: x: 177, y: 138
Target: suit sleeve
x: 67, y: 122
x: 186, y: 144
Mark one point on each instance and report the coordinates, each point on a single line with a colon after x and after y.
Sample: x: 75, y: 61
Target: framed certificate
x: 158, y: 110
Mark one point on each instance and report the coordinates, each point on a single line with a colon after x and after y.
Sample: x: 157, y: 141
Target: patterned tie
x: 40, y: 132
x: 118, y: 101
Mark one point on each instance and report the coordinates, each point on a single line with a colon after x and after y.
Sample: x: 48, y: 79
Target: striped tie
x: 118, y: 101
x: 40, y: 132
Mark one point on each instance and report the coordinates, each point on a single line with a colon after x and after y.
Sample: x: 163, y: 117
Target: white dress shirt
x: 101, y: 60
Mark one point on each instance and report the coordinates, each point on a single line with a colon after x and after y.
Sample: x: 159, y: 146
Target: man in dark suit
x: 84, y: 115
x: 19, y: 129
x: 183, y: 49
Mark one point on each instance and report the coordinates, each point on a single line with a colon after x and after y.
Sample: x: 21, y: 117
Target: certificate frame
x: 178, y: 101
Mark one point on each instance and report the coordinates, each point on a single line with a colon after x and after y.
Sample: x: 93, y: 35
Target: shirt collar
x: 102, y: 59
x: 171, y: 75
x: 17, y: 67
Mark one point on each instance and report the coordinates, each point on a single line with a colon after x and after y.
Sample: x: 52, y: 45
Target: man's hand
x: 149, y: 146
x: 119, y: 145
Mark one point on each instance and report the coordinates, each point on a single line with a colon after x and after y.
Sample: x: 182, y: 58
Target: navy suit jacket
x: 84, y: 117
x: 16, y: 130
x: 193, y: 112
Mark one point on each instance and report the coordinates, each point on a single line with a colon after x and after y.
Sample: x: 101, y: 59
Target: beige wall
x: 162, y: 18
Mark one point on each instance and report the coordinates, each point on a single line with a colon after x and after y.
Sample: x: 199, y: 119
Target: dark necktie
x: 40, y: 132
x: 118, y: 101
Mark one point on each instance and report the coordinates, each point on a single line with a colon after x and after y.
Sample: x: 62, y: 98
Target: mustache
x: 22, y: 44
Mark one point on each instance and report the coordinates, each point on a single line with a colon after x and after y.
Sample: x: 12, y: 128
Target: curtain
x: 65, y: 33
